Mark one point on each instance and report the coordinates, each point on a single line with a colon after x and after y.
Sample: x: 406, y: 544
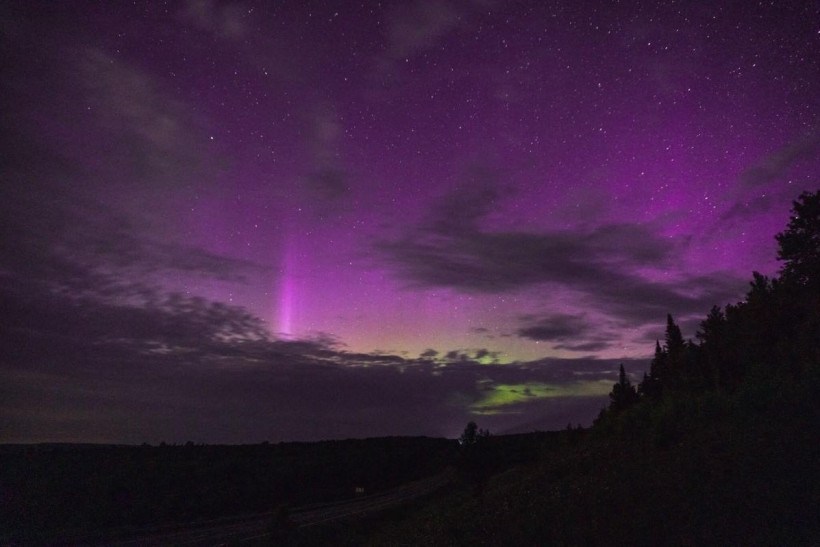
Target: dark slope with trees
x: 718, y: 444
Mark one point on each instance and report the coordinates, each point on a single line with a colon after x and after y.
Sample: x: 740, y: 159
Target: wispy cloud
x: 226, y: 20
x: 779, y: 161
x: 555, y: 327
x: 218, y: 376
x: 418, y: 25
x: 604, y: 265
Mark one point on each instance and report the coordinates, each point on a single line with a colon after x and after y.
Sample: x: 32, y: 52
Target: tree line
x: 770, y: 337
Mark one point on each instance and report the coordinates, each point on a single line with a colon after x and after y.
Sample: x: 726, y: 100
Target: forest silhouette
x: 716, y: 445
x: 770, y: 339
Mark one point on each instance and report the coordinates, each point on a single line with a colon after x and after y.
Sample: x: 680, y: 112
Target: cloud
x: 603, y: 265
x: 65, y: 242
x: 454, y: 252
x: 555, y: 328
x: 415, y: 27
x: 585, y: 346
x: 120, y: 361
x: 749, y: 210
x: 150, y: 141
x: 224, y: 20
x: 778, y: 162
x: 92, y: 132
x: 566, y: 332
x: 98, y: 165
x: 484, y: 353
x: 461, y: 210
x: 140, y: 365
x: 328, y: 182
x: 419, y: 25
x: 637, y: 302
x: 88, y: 215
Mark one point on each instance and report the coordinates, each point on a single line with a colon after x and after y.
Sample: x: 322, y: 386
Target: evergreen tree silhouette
x: 798, y: 293
x: 675, y: 374
x: 799, y: 244
x: 623, y: 394
x: 712, y: 345
x: 674, y: 338
x: 651, y: 385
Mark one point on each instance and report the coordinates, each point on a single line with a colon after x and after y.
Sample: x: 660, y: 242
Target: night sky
x: 236, y: 222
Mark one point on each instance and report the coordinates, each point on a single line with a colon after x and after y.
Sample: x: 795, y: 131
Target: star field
x: 444, y: 186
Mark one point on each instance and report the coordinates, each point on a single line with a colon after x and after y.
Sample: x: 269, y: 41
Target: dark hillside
x: 54, y: 491
x: 717, y: 445
x: 721, y: 475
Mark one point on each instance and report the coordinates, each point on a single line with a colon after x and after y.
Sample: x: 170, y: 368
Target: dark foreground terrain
x: 703, y: 469
x: 706, y: 470
x: 58, y: 492
x: 719, y: 443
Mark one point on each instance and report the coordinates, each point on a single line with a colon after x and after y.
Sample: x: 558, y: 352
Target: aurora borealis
x: 239, y: 221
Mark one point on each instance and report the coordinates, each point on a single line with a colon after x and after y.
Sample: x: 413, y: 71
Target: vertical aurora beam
x: 285, y: 293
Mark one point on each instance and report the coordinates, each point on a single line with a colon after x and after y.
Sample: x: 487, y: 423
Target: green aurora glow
x: 497, y: 399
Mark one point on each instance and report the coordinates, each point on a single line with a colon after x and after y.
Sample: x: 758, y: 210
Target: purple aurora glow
x: 237, y: 221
